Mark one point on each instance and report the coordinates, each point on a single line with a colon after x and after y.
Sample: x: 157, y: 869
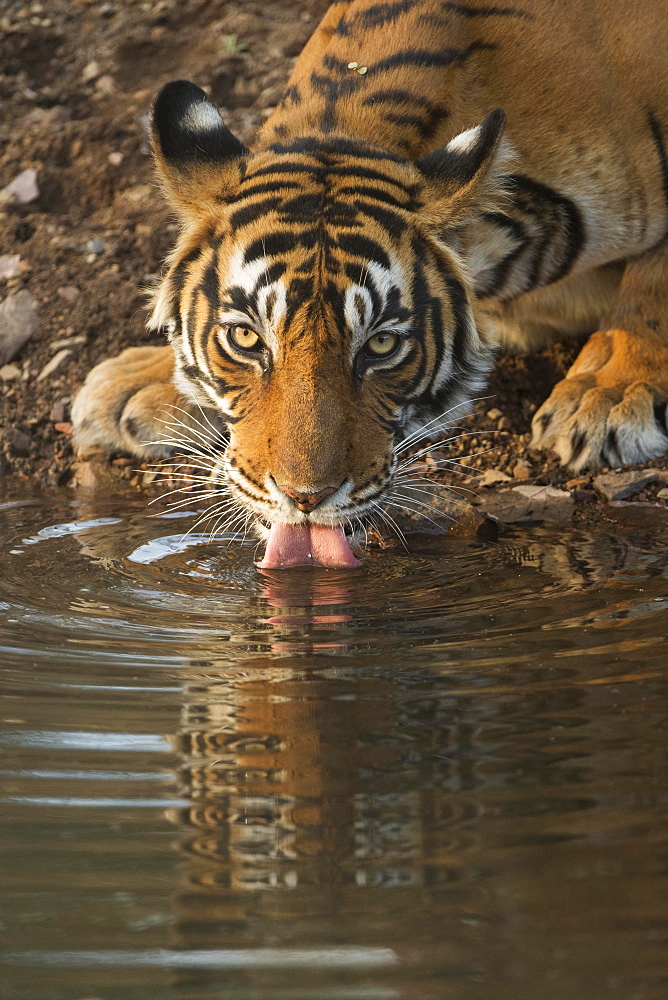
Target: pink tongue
x: 307, y: 545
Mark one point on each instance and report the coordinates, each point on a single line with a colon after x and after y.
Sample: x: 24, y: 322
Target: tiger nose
x: 308, y: 501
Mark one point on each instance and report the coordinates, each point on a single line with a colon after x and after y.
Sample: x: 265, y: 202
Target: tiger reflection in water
x: 318, y: 783
x: 348, y: 796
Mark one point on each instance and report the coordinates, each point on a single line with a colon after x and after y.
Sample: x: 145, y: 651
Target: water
x: 442, y: 777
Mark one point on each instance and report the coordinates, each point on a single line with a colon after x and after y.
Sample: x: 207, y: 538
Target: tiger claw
x: 589, y: 425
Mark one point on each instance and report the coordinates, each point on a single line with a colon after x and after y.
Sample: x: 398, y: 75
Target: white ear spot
x: 465, y: 141
x: 201, y: 116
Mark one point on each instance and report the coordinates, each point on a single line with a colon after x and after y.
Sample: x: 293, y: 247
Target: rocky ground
x: 83, y: 232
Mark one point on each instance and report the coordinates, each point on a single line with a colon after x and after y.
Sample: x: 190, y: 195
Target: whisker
x: 212, y: 511
x: 422, y: 503
x: 437, y: 444
x: 387, y: 517
x: 421, y: 431
x: 191, y: 447
x: 416, y: 489
x: 192, y: 498
x: 217, y: 432
x: 194, y: 435
x: 408, y: 510
x: 435, y: 485
x: 205, y: 488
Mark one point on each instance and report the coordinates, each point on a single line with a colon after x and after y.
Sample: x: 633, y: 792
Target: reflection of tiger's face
x: 315, y: 308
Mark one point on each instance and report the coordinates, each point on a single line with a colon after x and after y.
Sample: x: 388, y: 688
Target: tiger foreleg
x: 611, y: 407
x: 130, y: 404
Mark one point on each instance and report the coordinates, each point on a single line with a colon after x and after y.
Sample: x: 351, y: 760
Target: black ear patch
x: 187, y: 128
x: 457, y: 163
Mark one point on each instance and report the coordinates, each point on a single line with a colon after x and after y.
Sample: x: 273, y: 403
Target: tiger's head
x: 318, y: 301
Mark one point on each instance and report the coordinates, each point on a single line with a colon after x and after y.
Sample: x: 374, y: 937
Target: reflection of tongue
x: 307, y: 545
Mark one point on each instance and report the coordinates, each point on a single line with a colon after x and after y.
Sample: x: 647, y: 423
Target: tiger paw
x: 129, y: 404
x: 588, y: 424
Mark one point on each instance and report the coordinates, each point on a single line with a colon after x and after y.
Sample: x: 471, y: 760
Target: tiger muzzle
x: 307, y: 502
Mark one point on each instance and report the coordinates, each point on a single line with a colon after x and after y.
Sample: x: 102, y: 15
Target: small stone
x: 662, y: 494
x: 573, y: 484
x: 63, y: 427
x: 90, y: 71
x: 18, y: 441
x: 503, y: 424
x: 69, y: 292
x: 10, y: 265
x: 105, y: 84
x: 24, y: 231
x: 584, y: 496
x: 56, y: 364
x: 9, y: 372
x: 23, y: 188
x: 620, y: 485
x: 467, y: 522
x: 95, y: 246
x: 57, y: 345
x: 115, y: 159
x: 60, y: 410
x: 491, y: 477
x: 522, y: 470
x: 18, y: 322
x: 50, y: 117
x: 494, y: 414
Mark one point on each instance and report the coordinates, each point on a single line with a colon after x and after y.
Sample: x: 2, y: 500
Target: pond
x: 440, y: 776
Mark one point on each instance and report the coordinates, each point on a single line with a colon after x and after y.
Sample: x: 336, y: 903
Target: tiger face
x: 316, y: 300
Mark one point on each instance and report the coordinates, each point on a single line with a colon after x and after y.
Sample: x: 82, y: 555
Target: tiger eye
x: 243, y: 338
x: 382, y: 344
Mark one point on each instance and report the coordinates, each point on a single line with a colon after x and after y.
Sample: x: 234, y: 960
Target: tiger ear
x: 197, y: 157
x: 459, y: 174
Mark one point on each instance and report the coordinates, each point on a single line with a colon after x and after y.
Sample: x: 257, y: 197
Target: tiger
x: 440, y: 180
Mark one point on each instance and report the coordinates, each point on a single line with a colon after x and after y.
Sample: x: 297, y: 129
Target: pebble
x: 18, y: 441
x: 69, y: 292
x: 95, y: 246
x: 90, y: 71
x: 620, y: 485
x: 662, y: 494
x: 522, y: 470
x: 584, y: 496
x: 503, y: 424
x: 9, y: 372
x: 23, y: 188
x: 105, y: 84
x: 56, y: 364
x: 58, y: 345
x: 10, y: 265
x: 495, y: 414
x: 18, y: 322
x: 60, y: 410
